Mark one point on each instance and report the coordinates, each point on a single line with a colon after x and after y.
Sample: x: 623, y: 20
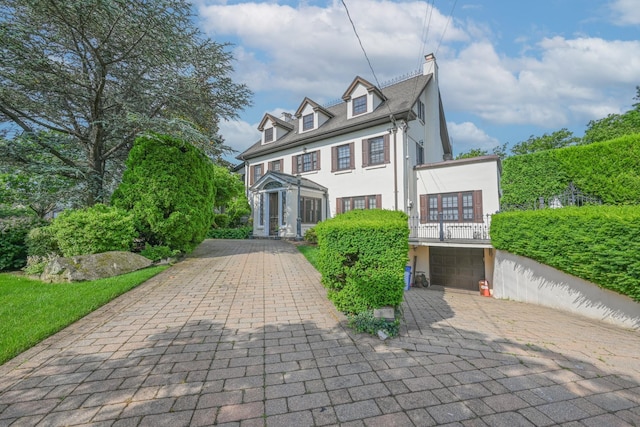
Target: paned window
x: 283, y: 205
x: 433, y: 208
x: 450, y: 207
x: 344, y: 157
x: 257, y: 172
x: 311, y: 210
x: 307, y: 122
x: 419, y: 153
x: 467, y: 206
x: 421, y: 110
x: 360, y: 105
x: 306, y: 162
x: 261, y: 209
x: 359, y: 203
x: 345, y: 204
x: 454, y: 207
x: 268, y: 135
x: 376, y: 151
x: 275, y: 166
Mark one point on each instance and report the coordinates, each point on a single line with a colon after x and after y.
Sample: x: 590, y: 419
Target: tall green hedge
x: 608, y: 170
x: 600, y: 244
x: 169, y: 187
x: 361, y: 256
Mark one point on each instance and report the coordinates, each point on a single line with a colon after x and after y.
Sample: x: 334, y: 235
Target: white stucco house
x: 379, y: 147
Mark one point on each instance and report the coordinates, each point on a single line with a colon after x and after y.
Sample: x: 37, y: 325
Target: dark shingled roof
x: 400, y: 98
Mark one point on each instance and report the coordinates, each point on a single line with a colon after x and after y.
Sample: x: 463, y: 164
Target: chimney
x: 430, y: 66
x: 287, y: 117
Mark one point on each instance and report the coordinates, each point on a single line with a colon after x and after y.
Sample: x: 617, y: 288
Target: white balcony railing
x: 448, y: 231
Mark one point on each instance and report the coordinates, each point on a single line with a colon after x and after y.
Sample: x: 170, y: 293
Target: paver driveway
x: 241, y: 333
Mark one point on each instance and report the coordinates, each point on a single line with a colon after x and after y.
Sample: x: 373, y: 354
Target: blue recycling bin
x: 407, y: 277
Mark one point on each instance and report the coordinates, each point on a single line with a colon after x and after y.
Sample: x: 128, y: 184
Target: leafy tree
x: 498, y: 150
x: 557, y: 139
x: 231, y: 200
x: 169, y: 187
x: 40, y: 193
x: 614, y: 125
x: 81, y: 79
x: 474, y: 152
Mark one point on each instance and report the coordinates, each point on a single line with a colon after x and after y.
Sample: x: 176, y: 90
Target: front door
x: 273, y: 214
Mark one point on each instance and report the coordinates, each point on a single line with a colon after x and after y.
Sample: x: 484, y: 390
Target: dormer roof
x: 399, y: 99
x: 316, y: 107
x: 276, y: 122
x: 360, y: 81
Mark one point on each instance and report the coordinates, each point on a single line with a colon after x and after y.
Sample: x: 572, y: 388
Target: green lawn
x: 31, y: 310
x: 310, y: 253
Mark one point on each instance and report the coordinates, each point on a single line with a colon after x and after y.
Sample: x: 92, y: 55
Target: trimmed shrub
x: 169, y: 187
x: 311, y: 236
x: 93, y: 230
x: 600, y: 244
x: 13, y: 232
x: 41, y: 242
x: 608, y: 170
x: 362, y: 255
x: 157, y: 253
x: 230, y: 233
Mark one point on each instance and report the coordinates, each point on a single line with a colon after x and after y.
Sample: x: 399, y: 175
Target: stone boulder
x: 92, y: 267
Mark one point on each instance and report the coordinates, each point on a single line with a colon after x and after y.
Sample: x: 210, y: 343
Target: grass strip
x: 310, y: 253
x: 31, y: 310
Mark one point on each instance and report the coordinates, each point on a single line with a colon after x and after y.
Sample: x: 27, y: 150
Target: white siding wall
x: 455, y: 176
x: 360, y: 181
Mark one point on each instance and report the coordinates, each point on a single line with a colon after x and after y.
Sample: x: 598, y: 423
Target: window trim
x: 421, y: 110
x: 252, y: 173
x: 305, y: 124
x: 342, y: 202
x: 269, y: 134
x: 426, y: 209
x: 356, y: 104
x: 280, y: 163
x: 314, y: 215
x: 366, y: 157
x: 335, y: 158
x: 298, y: 161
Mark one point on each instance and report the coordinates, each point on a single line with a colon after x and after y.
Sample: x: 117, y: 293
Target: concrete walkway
x: 242, y: 334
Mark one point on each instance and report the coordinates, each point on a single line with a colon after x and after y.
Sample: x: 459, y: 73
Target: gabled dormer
x: 272, y: 128
x: 362, y: 97
x: 311, y: 116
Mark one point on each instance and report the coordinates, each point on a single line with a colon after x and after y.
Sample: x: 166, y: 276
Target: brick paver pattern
x: 241, y: 334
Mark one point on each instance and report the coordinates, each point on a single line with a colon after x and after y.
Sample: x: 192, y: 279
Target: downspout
x: 407, y: 169
x: 394, y: 129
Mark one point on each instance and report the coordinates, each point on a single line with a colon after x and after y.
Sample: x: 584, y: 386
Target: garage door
x: 456, y: 267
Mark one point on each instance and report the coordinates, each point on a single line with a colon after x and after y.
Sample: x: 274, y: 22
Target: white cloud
x: 238, y: 135
x: 313, y: 51
x: 626, y: 12
x: 285, y: 53
x: 466, y: 136
x: 571, y: 79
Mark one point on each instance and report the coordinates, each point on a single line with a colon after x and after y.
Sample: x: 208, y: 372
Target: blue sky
x: 508, y: 69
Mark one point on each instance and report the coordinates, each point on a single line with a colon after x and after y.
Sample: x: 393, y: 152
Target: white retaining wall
x: 522, y: 279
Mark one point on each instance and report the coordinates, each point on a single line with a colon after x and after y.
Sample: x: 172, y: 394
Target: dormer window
x: 268, y: 135
x: 307, y: 122
x: 360, y: 105
x: 273, y: 129
x: 362, y: 98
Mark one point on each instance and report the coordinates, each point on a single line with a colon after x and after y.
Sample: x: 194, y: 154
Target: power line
x: 446, y: 26
x: 355, y: 31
